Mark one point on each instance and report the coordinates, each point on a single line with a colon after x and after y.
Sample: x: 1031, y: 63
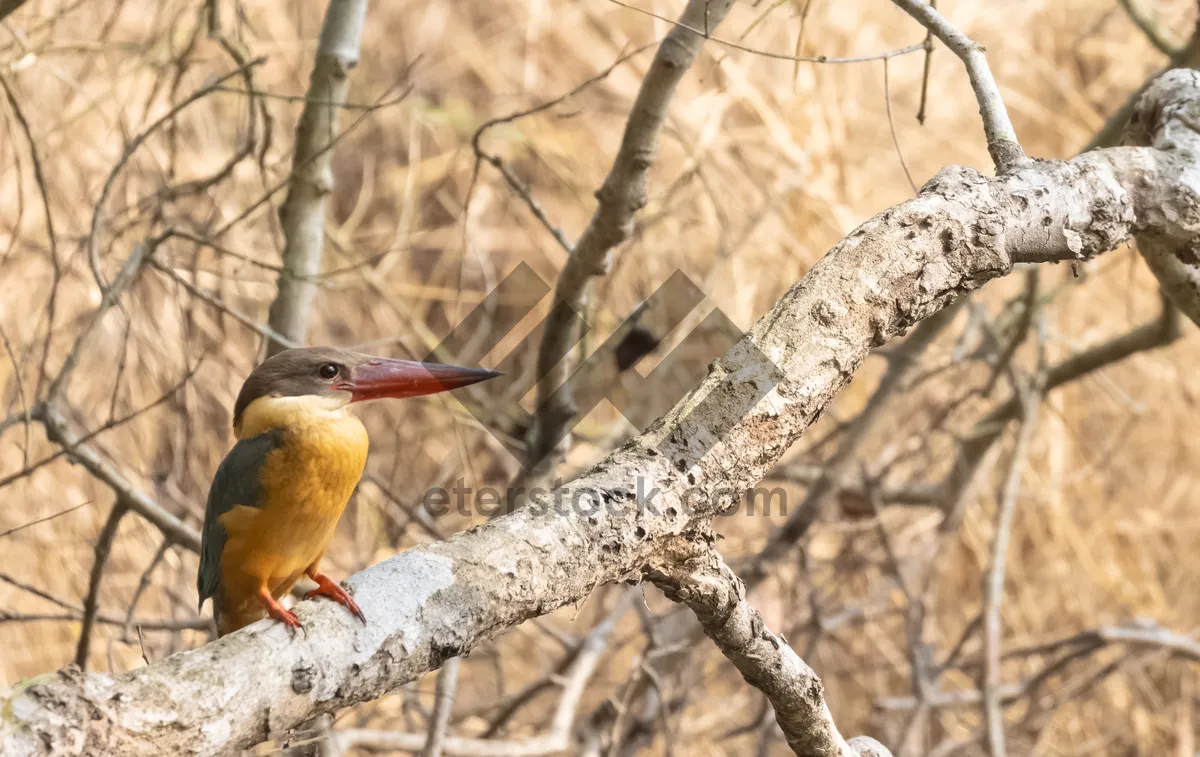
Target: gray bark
x: 303, y: 212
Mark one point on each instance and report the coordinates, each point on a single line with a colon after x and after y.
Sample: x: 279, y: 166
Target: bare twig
x: 91, y: 604
x: 619, y: 198
x: 62, y: 431
x: 1001, y: 137
x: 32, y: 523
x: 19, y: 380
x: 515, y: 183
x: 887, y: 99
x: 993, y: 588
x: 51, y: 237
x: 93, y: 238
x: 443, y: 706
x: 927, y: 67
x: 261, y: 328
x: 718, y: 598
x: 111, y: 423
x: 705, y: 31
x: 303, y: 212
x: 1143, y: 18
x: 112, y: 295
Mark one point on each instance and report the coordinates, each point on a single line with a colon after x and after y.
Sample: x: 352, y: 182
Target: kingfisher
x: 277, y: 496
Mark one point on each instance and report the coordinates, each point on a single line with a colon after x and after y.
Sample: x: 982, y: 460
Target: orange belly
x: 306, y: 484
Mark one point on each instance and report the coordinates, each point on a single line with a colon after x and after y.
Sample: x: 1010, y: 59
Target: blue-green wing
x: 237, y: 482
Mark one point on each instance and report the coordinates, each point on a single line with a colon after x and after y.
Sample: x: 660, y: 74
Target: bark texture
x: 626, y: 516
x: 718, y: 598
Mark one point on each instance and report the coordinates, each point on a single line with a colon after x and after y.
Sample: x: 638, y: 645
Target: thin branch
x: 124, y: 278
x: 887, y: 99
x: 1160, y: 332
x: 75, y: 612
x: 91, y: 604
x: 619, y: 198
x: 143, y: 584
x: 93, y: 238
x: 1144, y: 18
x: 718, y: 598
x: 1001, y: 137
x: 926, y: 69
x: 993, y: 588
x: 32, y: 523
x: 62, y: 431
x: 51, y: 237
x: 705, y: 31
x: 216, y: 302
x: 18, y: 379
x: 106, y: 426
x: 515, y: 183
x: 443, y: 706
x: 303, y: 212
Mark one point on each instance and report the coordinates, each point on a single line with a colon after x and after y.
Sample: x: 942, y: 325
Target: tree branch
x: 8, y: 6
x: 618, y: 200
x: 579, y: 671
x: 718, y: 598
x: 1001, y: 137
x: 303, y: 212
x: 440, y: 600
x: 1144, y: 19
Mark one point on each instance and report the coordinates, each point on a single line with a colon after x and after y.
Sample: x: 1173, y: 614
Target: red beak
x: 384, y: 377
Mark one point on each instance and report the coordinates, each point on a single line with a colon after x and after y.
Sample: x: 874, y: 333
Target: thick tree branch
x: 303, y: 212
x: 558, y: 739
x: 439, y: 600
x: 1110, y: 134
x: 842, y: 475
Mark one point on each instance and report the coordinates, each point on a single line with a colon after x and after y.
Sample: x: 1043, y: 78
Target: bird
x: 277, y: 496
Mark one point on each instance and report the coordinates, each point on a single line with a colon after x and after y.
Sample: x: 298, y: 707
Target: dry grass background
x: 760, y: 172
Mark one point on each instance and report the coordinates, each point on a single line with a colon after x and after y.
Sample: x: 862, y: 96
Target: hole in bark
x: 947, y: 240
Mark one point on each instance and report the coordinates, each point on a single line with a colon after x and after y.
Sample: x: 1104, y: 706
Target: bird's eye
x: 328, y: 371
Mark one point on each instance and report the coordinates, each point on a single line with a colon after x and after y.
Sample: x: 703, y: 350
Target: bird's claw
x: 286, y: 617
x: 327, y: 588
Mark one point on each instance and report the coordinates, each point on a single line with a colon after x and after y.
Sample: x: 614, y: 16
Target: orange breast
x: 306, y: 484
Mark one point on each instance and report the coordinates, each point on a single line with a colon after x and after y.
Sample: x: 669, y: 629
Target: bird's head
x: 328, y: 379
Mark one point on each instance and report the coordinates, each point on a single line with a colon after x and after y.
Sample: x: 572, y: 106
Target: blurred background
x: 765, y: 162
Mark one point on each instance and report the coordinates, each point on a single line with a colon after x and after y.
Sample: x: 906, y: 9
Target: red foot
x: 279, y: 612
x: 327, y: 588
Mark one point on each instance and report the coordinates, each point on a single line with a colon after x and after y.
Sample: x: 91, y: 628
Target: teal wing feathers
x: 237, y: 482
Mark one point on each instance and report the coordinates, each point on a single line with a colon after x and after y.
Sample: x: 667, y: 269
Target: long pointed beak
x: 384, y: 377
